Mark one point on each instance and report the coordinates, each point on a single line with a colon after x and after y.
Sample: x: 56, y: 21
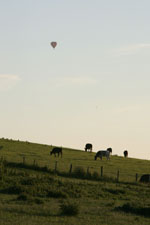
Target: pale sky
x: 93, y: 87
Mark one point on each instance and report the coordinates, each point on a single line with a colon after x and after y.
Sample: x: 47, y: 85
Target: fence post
x: 70, y: 170
x: 118, y: 176
x: 24, y: 160
x: 101, y: 171
x: 88, y: 170
x: 34, y: 162
x: 55, y: 166
x: 136, y: 177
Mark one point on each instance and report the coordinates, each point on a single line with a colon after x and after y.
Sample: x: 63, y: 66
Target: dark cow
x: 102, y: 153
x: 57, y: 151
x: 88, y: 146
x: 125, y: 153
x: 145, y: 178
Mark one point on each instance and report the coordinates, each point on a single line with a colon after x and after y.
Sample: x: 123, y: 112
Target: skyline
x: 92, y: 88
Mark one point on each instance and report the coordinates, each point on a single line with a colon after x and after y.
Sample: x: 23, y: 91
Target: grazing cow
x: 102, y: 153
x: 57, y: 151
x: 109, y: 149
x: 88, y: 147
x: 145, y: 178
x: 125, y: 153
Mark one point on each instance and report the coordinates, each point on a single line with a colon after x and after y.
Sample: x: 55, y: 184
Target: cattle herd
x: 100, y: 154
x: 56, y: 151
x: 88, y: 147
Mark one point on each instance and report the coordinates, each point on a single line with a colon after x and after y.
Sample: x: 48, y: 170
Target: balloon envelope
x: 53, y: 44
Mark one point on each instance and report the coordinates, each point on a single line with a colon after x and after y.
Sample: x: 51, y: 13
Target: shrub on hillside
x: 69, y: 208
x: 115, y: 191
x: 23, y: 197
x: 28, y: 181
x: 95, y: 175
x: 26, y: 197
x: 56, y: 194
x: 38, y: 201
x: 15, y: 189
x: 79, y: 172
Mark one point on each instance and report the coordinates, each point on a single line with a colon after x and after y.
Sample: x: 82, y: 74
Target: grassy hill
x: 34, y: 190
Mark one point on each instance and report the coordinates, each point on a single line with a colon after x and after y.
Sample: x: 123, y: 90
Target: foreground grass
x: 32, y: 196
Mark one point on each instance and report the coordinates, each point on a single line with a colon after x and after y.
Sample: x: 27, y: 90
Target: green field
x: 33, y: 190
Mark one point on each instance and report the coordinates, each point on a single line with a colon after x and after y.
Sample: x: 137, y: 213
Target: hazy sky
x: 93, y: 87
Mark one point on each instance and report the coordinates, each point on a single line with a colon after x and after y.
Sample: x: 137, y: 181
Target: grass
x: 33, y: 191
x: 17, y: 151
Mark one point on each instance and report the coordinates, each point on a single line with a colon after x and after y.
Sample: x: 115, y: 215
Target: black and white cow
x: 105, y: 153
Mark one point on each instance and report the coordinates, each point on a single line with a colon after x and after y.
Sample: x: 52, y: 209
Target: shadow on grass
x: 134, y: 209
x: 26, y: 166
x: 21, y: 211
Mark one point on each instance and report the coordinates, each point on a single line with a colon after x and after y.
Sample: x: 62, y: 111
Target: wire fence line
x: 102, y: 171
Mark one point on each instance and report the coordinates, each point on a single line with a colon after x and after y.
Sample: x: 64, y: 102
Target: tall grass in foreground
x: 34, y: 190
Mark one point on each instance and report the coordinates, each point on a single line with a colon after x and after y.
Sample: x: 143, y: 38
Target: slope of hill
x: 34, y: 190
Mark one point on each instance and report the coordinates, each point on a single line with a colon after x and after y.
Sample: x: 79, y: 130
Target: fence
x: 117, y: 175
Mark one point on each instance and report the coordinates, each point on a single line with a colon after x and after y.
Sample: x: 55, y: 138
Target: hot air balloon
x: 53, y: 44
